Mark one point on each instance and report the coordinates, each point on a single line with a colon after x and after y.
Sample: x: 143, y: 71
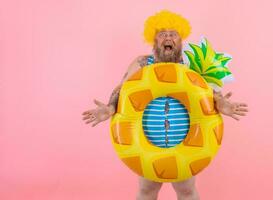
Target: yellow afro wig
x: 165, y: 20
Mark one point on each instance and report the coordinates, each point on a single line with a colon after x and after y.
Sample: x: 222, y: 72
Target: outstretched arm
x: 226, y: 107
x: 105, y: 111
x: 113, y: 101
x: 140, y: 61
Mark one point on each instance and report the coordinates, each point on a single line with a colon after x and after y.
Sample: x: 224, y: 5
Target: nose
x: 168, y: 37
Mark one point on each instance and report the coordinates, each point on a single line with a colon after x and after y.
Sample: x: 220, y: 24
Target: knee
x: 186, y: 191
x: 185, y: 188
x: 150, y: 190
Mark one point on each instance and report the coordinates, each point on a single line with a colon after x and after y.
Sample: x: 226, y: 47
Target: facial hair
x: 161, y: 56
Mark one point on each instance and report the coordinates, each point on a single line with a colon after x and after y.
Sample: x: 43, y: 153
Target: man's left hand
x: 232, y: 109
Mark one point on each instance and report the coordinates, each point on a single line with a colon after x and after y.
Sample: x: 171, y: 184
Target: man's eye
x: 163, y: 35
x: 173, y: 34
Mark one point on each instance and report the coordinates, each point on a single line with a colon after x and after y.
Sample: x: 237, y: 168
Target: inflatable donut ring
x: 166, y: 128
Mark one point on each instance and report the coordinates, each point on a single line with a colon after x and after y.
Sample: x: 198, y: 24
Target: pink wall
x: 56, y: 56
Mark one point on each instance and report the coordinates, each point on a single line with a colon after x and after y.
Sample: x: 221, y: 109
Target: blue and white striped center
x: 165, y: 122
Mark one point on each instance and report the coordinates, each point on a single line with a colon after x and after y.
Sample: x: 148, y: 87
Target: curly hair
x: 164, y: 20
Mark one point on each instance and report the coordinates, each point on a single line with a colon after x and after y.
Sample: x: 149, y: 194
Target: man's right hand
x: 101, y: 113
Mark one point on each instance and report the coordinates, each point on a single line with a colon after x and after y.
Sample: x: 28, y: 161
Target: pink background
x: 57, y: 56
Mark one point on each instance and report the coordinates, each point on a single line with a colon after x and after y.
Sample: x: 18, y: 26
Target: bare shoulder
x: 137, y: 63
x: 142, y: 60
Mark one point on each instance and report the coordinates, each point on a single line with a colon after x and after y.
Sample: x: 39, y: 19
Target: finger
x: 240, y: 104
x: 98, y: 102
x: 95, y: 123
x: 240, y: 113
x: 88, y: 112
x: 235, y: 117
x: 91, y: 120
x: 242, y: 109
x: 88, y: 117
x: 228, y: 95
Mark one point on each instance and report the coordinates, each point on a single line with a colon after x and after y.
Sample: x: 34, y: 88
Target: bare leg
x: 185, y: 190
x: 148, y: 190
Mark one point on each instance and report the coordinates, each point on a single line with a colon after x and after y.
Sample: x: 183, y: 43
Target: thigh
x: 148, y: 184
x: 184, y: 185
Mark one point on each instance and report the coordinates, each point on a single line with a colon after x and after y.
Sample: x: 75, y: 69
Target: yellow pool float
x: 174, y: 161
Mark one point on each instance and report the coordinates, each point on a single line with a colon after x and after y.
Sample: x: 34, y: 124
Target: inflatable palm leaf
x: 211, y: 65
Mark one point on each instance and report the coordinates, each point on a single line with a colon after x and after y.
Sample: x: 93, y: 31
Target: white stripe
x: 160, y: 131
x: 177, y: 114
x: 165, y: 140
x: 151, y: 109
x: 174, y: 140
x: 146, y: 125
x: 169, y: 135
x: 173, y: 135
x: 154, y: 110
x: 158, y: 140
x: 155, y: 136
x: 159, y: 100
x: 177, y: 109
x: 162, y: 120
x: 152, y: 115
x: 167, y: 114
x: 178, y: 119
x: 159, y: 105
x: 164, y: 104
x: 178, y: 124
x: 153, y: 120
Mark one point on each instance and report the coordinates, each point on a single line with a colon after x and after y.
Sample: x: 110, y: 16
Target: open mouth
x: 168, y: 47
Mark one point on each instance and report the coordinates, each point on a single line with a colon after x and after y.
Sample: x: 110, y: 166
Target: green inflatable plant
x: 211, y: 65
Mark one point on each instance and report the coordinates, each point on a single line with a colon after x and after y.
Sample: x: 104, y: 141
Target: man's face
x: 167, y: 46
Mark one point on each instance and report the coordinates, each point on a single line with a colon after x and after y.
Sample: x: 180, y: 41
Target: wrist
x: 218, y: 99
x: 112, y: 109
x: 217, y: 96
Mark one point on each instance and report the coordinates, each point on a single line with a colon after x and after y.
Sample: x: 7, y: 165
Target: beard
x: 164, y: 55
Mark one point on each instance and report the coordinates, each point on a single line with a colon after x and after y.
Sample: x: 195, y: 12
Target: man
x: 167, y: 44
